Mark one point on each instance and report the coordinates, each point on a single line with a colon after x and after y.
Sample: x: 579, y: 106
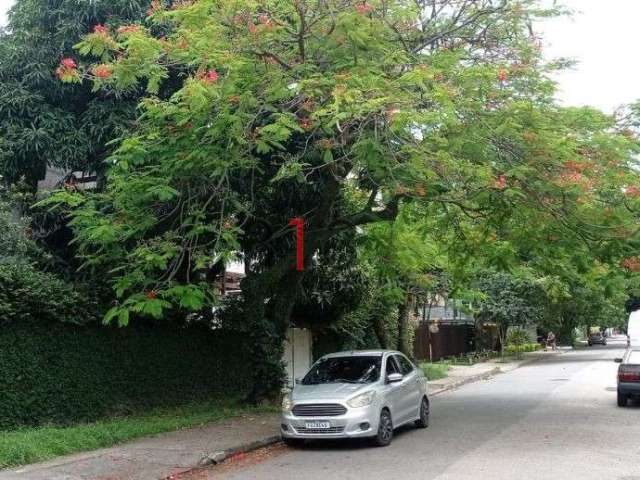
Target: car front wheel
x: 622, y: 399
x: 423, y: 421
x: 385, y: 429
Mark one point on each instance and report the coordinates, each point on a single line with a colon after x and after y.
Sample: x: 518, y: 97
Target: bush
x: 27, y: 291
x: 63, y: 373
x: 517, y: 336
x: 435, y: 371
x: 519, y: 349
x: 28, y: 294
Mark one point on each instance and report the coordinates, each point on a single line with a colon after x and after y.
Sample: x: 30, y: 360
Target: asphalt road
x: 556, y: 418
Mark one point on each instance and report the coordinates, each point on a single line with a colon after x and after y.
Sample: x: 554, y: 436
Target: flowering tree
x: 336, y: 111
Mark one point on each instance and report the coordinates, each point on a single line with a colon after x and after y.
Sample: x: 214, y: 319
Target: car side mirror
x: 617, y: 360
x: 394, y: 378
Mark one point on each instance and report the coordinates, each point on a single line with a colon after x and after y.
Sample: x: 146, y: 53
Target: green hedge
x: 62, y: 373
x: 527, y: 347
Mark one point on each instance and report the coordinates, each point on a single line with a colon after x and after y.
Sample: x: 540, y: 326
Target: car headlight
x: 362, y: 400
x: 286, y: 403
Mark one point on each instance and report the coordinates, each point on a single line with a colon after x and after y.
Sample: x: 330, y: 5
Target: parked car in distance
x: 628, y: 376
x: 597, y: 337
x: 356, y: 394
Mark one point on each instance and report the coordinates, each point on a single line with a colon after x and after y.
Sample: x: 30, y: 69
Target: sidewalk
x: 167, y: 455
x: 460, y: 375
x: 155, y: 457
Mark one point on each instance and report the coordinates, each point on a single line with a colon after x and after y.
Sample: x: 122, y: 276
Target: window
x: 392, y: 366
x: 355, y: 369
x: 405, y: 365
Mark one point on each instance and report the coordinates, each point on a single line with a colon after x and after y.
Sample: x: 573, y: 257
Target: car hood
x: 337, y: 391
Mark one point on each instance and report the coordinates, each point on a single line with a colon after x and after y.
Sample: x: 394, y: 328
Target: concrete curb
x: 222, y: 455
x: 464, y: 381
x: 218, y: 457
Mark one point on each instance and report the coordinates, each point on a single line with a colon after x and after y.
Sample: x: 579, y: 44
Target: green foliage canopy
x: 44, y: 122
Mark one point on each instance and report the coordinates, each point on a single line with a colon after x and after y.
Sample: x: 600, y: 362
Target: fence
x: 450, y: 339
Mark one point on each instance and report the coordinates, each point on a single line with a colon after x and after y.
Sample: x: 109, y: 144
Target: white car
x: 356, y: 394
x: 633, y: 329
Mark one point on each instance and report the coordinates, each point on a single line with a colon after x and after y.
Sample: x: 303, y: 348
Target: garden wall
x: 63, y: 373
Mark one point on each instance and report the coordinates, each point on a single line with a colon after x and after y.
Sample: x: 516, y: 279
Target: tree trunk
x: 404, y: 326
x: 502, y: 331
x: 380, y: 330
x: 268, y: 300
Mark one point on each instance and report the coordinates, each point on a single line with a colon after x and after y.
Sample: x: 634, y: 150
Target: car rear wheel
x: 423, y: 421
x: 622, y: 399
x: 385, y: 429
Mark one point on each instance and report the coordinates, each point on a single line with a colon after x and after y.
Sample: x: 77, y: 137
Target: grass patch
x: 30, y: 445
x: 435, y: 371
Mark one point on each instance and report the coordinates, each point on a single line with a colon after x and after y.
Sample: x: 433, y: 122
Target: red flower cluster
x: 305, y: 123
x: 421, y: 191
x: 576, y: 166
x: 363, y: 8
x: 69, y: 63
x: 67, y: 69
x: 152, y: 295
x: 632, y: 191
x: 100, y: 29
x: 503, y: 75
x: 632, y: 264
x: 500, y: 183
x: 266, y: 21
x: 571, y: 177
x: 102, y: 71
x: 128, y: 29
x: 211, y: 76
x: 155, y: 7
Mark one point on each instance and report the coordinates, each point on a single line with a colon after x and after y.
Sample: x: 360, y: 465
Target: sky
x: 600, y: 37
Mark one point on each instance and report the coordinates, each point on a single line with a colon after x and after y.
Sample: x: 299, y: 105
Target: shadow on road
x: 353, y: 443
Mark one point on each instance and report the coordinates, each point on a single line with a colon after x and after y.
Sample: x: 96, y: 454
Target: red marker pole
x: 299, y: 224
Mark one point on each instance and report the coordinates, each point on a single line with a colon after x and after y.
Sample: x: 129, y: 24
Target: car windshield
x: 353, y: 369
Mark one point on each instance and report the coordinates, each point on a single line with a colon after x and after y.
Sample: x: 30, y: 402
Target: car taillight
x: 629, y: 374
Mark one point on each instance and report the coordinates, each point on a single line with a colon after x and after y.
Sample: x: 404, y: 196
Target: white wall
x: 297, y: 353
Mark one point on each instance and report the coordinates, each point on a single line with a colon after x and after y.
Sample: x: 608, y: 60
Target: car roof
x: 364, y: 353
x: 627, y: 355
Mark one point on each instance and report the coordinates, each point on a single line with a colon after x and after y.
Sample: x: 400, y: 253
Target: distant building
x: 56, y: 178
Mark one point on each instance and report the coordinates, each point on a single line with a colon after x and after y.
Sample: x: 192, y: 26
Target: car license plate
x: 317, y: 425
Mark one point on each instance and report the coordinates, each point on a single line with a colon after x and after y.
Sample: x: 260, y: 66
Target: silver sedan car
x: 356, y: 394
